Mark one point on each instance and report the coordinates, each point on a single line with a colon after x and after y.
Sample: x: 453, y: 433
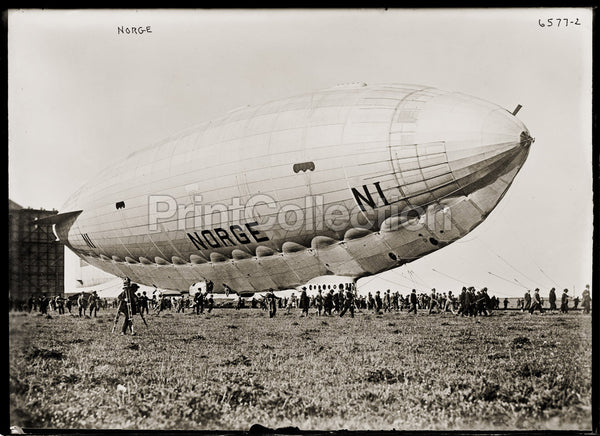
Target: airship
x: 349, y: 181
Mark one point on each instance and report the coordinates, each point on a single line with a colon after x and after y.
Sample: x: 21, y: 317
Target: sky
x: 81, y: 96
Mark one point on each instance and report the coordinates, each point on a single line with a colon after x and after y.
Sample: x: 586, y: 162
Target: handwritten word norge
x: 139, y: 30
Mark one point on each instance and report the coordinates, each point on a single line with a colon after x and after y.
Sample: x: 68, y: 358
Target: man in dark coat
x: 387, y: 301
x: 127, y: 306
x: 348, y: 303
x: 527, y: 299
x: 328, y: 302
x: 93, y: 304
x: 210, y: 303
x: 60, y: 304
x: 564, y: 302
x: 472, y: 300
x: 465, y: 302
x: 414, y: 301
x: 82, y: 302
x: 199, y: 302
x: 304, y: 302
x: 339, y: 299
x: 271, y: 302
x: 378, y: 303
x: 44, y: 303
x: 143, y: 303
x: 552, y: 299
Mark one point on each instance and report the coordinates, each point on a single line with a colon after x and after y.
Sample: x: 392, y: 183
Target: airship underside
x: 351, y: 181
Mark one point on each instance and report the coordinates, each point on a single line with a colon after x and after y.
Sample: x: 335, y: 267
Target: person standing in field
x: 304, y: 302
x: 339, y: 299
x: 586, y: 299
x: 387, y: 301
x: 490, y: 303
x: 483, y: 303
x: 378, y: 303
x: 442, y: 298
x: 465, y: 303
x: 414, y: 301
x: 44, y: 303
x: 30, y: 304
x: 272, y: 303
x: 396, y: 301
x: 180, y: 305
x: 93, y: 304
x: 160, y: 305
x: 527, y: 300
x: 536, y: 302
x: 290, y: 303
x: 564, y: 302
x: 433, y: 301
x: 127, y: 306
x: 319, y: 302
x: 82, y: 304
x: 143, y: 303
x: 211, y: 303
x: 462, y: 302
x: 552, y: 299
x: 449, y: 304
x: 505, y: 303
x: 60, y: 304
x: 54, y: 303
x: 328, y: 302
x: 348, y: 303
x: 199, y: 302
x: 472, y: 301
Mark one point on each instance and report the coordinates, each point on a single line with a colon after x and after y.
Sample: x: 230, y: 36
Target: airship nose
x: 484, y: 166
x: 459, y: 147
x: 485, y: 142
x: 471, y: 129
x: 526, y: 139
x: 500, y: 126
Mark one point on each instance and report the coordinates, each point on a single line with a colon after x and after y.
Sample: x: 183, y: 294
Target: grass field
x: 232, y: 369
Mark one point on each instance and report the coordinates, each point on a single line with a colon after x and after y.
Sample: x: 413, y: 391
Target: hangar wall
x: 35, y: 257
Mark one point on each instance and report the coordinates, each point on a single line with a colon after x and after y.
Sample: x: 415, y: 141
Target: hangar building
x: 35, y: 257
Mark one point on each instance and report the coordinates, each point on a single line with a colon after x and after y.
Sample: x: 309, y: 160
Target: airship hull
x: 350, y: 181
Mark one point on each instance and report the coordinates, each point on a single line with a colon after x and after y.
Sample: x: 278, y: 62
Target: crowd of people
x: 82, y: 304
x: 326, y: 300
x: 532, y: 303
x: 338, y: 299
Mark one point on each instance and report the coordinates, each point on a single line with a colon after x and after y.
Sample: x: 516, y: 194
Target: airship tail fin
x: 58, y: 218
x: 62, y: 224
